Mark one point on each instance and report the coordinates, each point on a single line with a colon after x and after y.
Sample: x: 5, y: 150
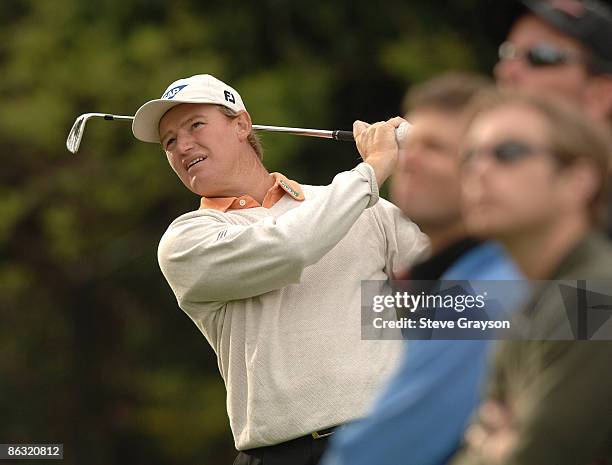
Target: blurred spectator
x: 421, y: 415
x: 562, y: 48
x: 534, y: 178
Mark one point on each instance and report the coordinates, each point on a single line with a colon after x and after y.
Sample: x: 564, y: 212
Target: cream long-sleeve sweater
x: 276, y: 292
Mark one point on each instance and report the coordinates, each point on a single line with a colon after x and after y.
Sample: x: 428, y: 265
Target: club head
x: 76, y: 133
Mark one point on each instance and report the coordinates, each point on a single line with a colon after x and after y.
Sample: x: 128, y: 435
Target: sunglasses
x: 540, y: 55
x: 505, y: 153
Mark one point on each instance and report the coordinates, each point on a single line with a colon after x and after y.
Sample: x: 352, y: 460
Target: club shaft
x: 296, y: 131
x: 118, y: 117
x: 323, y: 133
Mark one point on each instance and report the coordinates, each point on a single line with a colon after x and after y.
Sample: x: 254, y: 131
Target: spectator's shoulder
x: 590, y: 259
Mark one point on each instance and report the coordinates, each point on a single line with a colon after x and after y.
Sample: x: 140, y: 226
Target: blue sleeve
x: 420, y: 417
x: 422, y: 414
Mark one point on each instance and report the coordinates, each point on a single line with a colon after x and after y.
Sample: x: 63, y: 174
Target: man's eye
x: 170, y: 141
x: 197, y: 124
x: 510, y: 151
x: 434, y: 145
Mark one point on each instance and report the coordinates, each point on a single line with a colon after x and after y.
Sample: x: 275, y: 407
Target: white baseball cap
x: 201, y: 88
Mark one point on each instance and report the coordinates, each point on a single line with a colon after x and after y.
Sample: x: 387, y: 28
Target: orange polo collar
x: 282, y: 186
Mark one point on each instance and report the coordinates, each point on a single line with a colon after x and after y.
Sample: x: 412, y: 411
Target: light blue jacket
x: 420, y: 417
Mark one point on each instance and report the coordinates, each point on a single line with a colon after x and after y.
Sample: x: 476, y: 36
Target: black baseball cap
x: 587, y: 21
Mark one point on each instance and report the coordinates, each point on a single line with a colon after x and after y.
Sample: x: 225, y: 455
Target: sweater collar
x: 282, y: 185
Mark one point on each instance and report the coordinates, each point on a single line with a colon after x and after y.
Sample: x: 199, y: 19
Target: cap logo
x: 229, y: 96
x: 171, y: 93
x: 572, y: 8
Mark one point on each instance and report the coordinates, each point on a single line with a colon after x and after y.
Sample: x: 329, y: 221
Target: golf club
x: 76, y: 133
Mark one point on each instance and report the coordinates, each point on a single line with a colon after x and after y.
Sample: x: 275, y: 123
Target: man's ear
x: 581, y: 183
x: 244, y: 126
x: 598, y: 97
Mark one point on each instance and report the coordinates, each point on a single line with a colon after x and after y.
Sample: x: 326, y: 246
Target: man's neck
x: 441, y: 237
x: 251, y: 178
x: 260, y: 183
x: 539, y: 252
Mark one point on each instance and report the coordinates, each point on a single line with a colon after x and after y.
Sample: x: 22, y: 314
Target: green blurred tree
x: 95, y: 352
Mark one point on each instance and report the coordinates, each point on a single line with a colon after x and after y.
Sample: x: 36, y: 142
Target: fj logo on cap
x: 229, y: 96
x: 169, y: 94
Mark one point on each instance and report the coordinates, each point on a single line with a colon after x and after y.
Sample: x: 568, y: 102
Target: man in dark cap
x: 562, y: 48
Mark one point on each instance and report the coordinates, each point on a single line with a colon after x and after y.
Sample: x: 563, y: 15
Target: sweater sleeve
x: 206, y: 259
x: 405, y: 244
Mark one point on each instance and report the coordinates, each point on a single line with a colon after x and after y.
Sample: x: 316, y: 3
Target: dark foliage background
x: 95, y: 353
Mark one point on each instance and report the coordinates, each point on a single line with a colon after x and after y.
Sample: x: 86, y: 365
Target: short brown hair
x: 253, y: 138
x: 572, y: 136
x: 450, y: 92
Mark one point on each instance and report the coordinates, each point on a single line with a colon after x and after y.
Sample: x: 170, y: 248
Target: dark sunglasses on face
x: 504, y: 153
x: 540, y: 55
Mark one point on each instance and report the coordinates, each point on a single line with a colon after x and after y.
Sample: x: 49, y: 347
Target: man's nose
x: 184, y: 143
x: 479, y: 166
x: 509, y: 70
x: 410, y: 155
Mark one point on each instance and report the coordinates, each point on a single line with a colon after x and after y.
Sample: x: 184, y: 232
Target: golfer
x: 270, y: 270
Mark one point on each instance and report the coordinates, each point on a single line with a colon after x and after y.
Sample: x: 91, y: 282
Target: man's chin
x: 487, y: 229
x: 197, y: 188
x: 425, y: 215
